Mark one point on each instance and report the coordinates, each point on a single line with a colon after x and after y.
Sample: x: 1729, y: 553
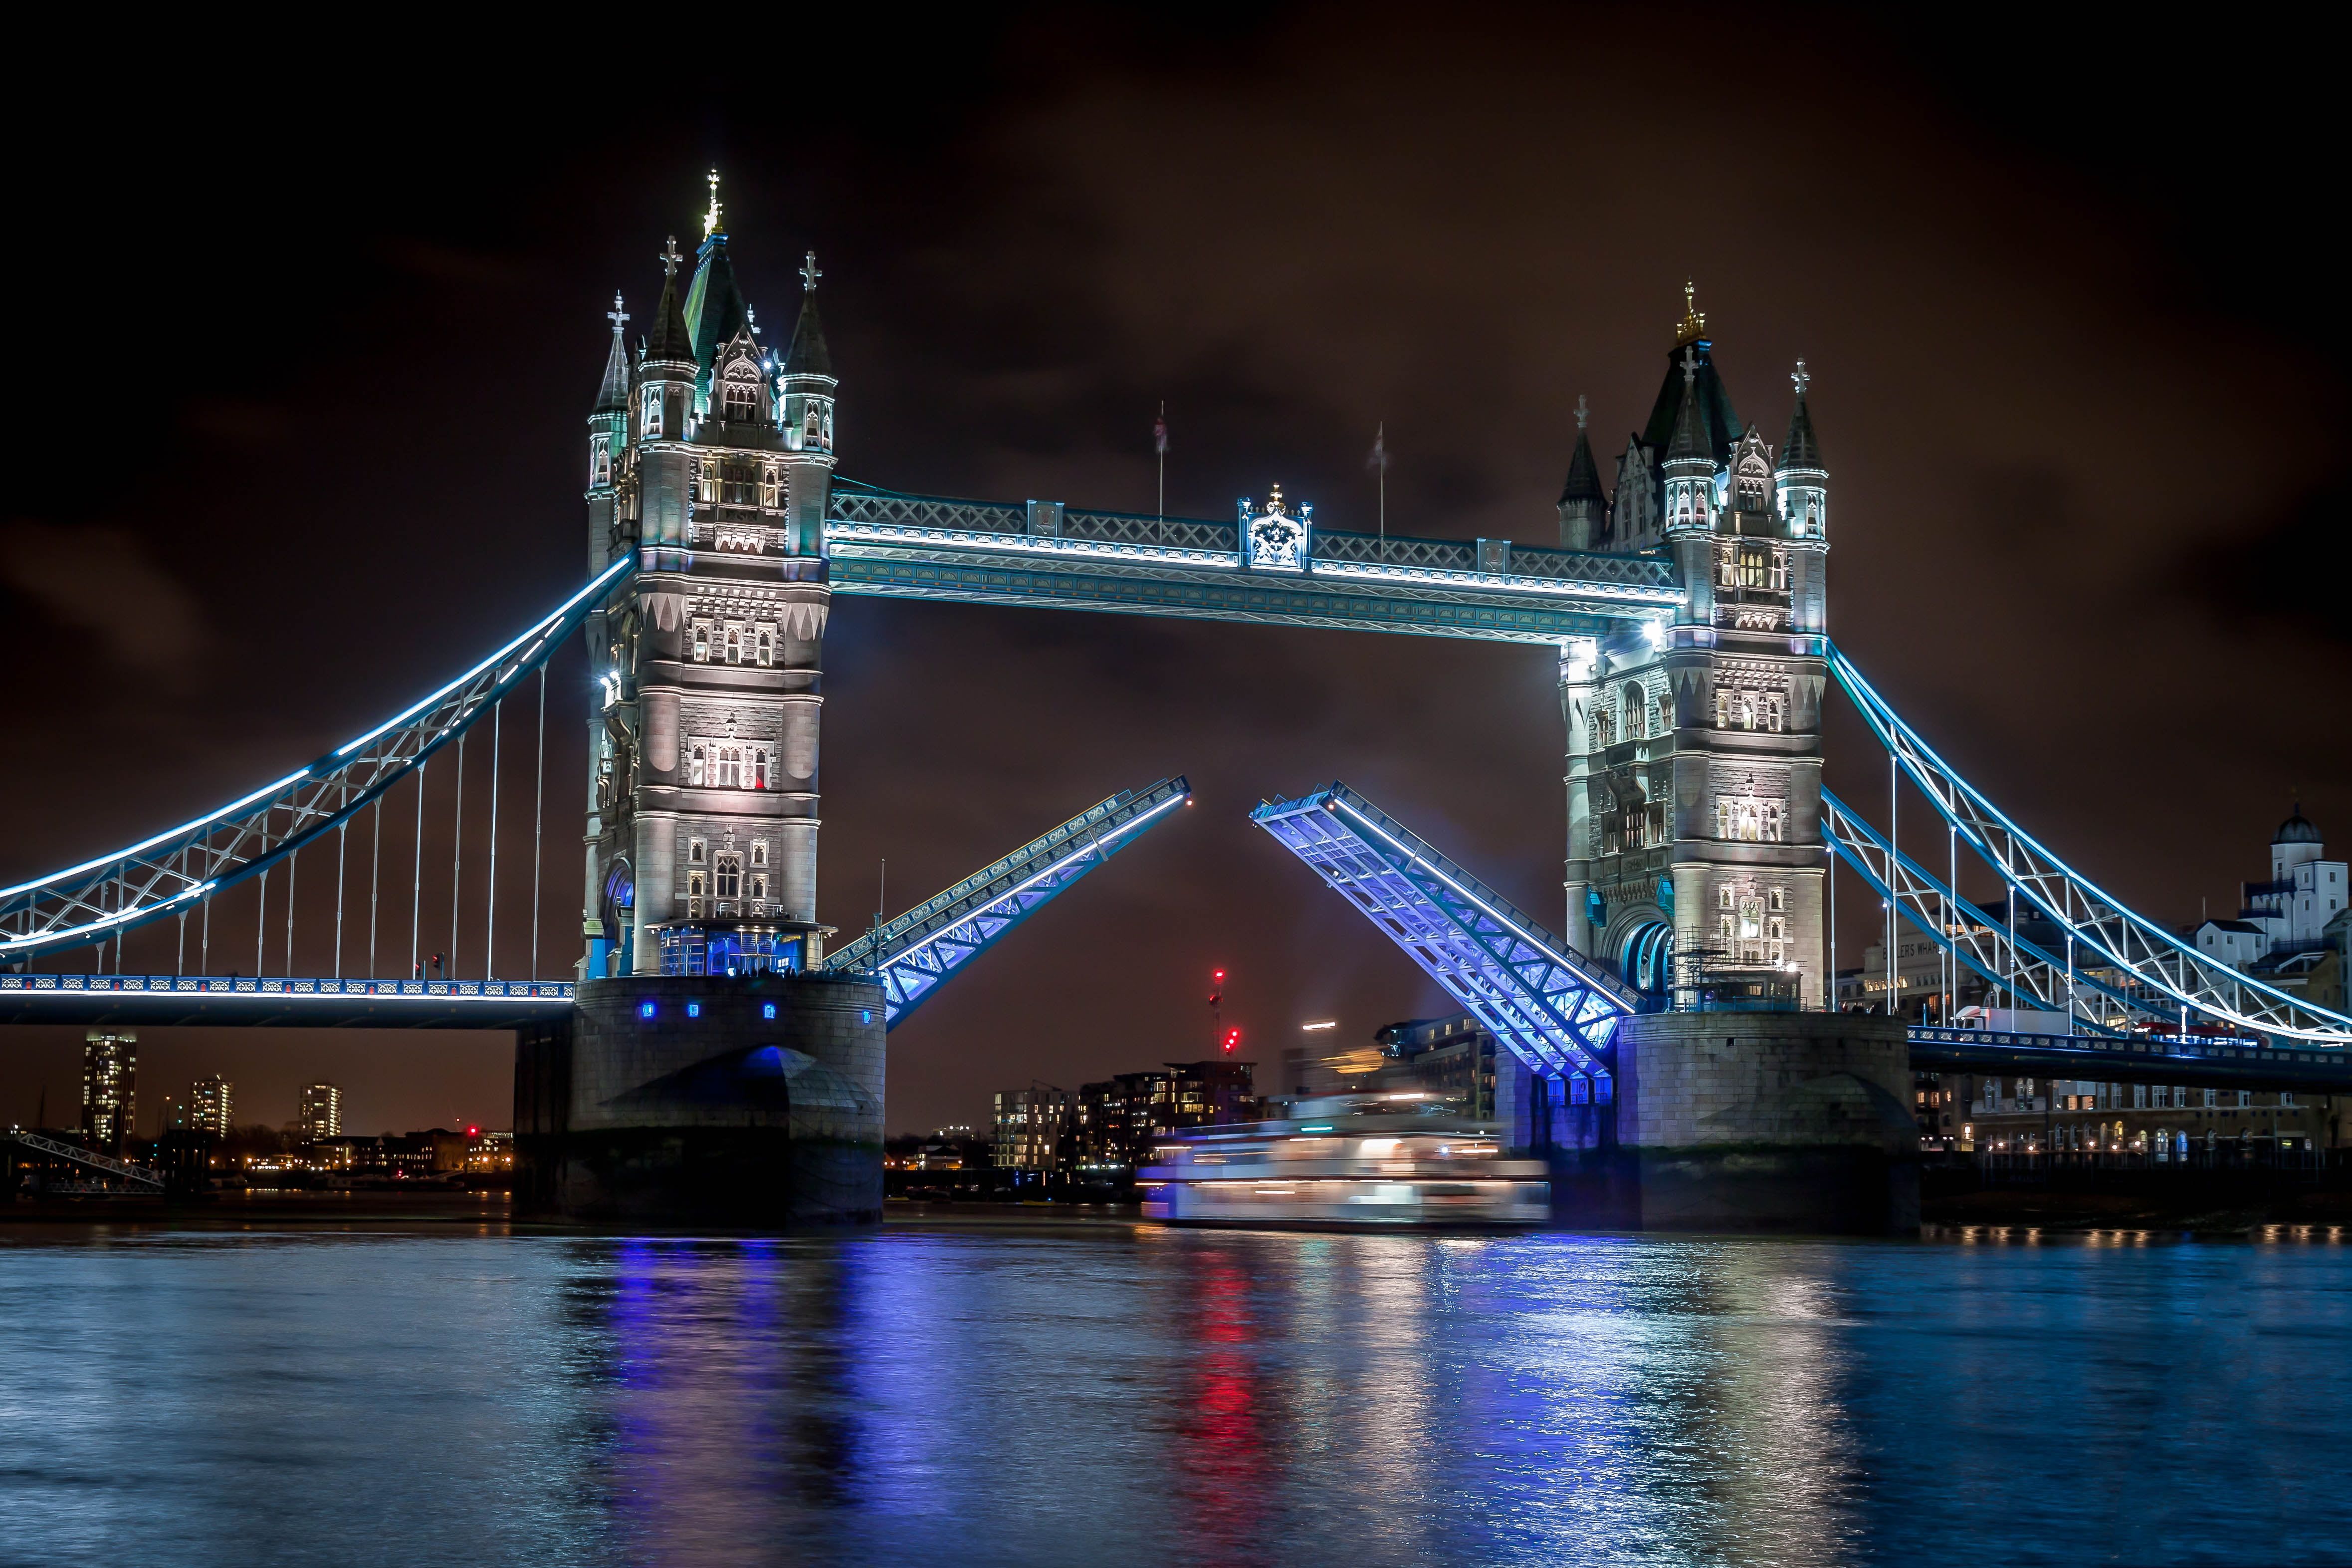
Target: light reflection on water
x: 1114, y: 1396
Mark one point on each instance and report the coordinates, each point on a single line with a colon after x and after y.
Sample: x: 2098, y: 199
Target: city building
x: 212, y: 1106
x: 322, y: 1111
x: 1990, y: 1114
x: 2282, y: 932
x: 710, y: 459
x: 1114, y: 1122
x: 171, y: 1114
x: 1028, y: 1127
x: 109, y: 1078
x: 1694, y: 741
x: 1450, y: 1059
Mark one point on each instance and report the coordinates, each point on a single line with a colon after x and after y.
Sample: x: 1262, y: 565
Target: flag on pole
x: 1160, y: 431
x: 1379, y: 456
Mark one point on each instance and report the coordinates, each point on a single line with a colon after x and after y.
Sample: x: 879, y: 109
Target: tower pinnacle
x: 1581, y: 411
x: 1693, y: 326
x: 711, y: 221
x: 809, y: 273
x: 669, y: 258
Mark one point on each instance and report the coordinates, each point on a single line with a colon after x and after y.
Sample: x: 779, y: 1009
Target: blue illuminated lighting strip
x: 913, y: 955
x: 1553, y: 1009
x: 165, y: 874
x: 2209, y: 1060
x: 2118, y: 936
x: 437, y: 992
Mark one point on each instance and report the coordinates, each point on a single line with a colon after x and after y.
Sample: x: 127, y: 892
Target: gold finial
x: 1694, y: 323
x: 1273, y: 502
x: 711, y: 223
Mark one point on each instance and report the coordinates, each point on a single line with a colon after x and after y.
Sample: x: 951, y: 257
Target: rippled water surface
x: 1115, y: 1396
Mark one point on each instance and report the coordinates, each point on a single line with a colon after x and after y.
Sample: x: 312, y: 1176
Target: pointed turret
x: 1689, y: 465
x: 804, y: 389
x: 1584, y: 505
x: 714, y: 311
x: 808, y: 355
x: 1800, y: 482
x: 1687, y: 443
x: 671, y: 342
x: 1722, y: 426
x: 613, y: 391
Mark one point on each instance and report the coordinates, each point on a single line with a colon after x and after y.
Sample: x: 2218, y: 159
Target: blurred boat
x: 1366, y: 1162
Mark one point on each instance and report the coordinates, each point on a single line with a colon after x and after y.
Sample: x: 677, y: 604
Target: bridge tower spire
x: 1694, y: 767
x: 702, y: 820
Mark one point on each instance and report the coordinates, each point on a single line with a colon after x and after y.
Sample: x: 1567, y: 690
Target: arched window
x: 742, y: 401
x: 1722, y: 708
x: 729, y: 760
x: 734, y: 645
x: 760, y: 781
x: 731, y: 876
x: 701, y: 644
x: 768, y: 649
x: 698, y: 769
x: 653, y: 411
x: 1637, y: 714
x: 759, y: 849
x: 1605, y: 728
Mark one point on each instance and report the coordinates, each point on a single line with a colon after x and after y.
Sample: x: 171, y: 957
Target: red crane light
x: 1232, y: 1038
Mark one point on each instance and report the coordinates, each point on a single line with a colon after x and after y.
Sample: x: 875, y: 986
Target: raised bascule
x: 712, y: 1056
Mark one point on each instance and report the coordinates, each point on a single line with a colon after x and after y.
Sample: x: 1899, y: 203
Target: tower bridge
x: 1686, y: 615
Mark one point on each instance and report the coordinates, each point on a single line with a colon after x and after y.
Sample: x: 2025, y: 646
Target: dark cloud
x: 103, y: 586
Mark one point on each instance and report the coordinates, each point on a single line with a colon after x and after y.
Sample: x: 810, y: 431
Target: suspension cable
x: 343, y: 834
x: 490, y: 923
x: 205, y: 951
x: 292, y: 861
x: 180, y: 962
x: 262, y: 924
x: 416, y: 882
x: 456, y: 864
x: 375, y: 867
x: 538, y: 819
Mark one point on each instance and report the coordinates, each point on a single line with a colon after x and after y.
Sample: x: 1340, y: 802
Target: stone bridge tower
x: 711, y: 456
x: 1694, y: 754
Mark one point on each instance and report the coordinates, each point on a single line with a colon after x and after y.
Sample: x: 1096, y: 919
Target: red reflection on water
x: 1223, y: 1456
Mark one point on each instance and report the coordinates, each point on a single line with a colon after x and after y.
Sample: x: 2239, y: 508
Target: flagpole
x: 1380, y: 440
x: 1160, y: 445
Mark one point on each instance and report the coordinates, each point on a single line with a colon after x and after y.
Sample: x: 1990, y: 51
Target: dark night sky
x: 309, y: 351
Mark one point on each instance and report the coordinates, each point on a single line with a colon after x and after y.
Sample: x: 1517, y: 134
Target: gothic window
x: 734, y: 645
x: 731, y: 876
x: 730, y: 767
x: 1722, y: 708
x: 828, y: 432
x: 742, y: 399
x: 653, y: 411
x: 697, y: 851
x: 760, y: 849
x: 696, y: 889
x: 768, y: 489
x: 1779, y: 570
x: 701, y: 642
x: 1776, y: 929
x: 738, y: 481
x: 810, y: 426
x: 1777, y: 899
x: 758, y: 884
x: 1723, y: 930
x: 1755, y: 566
x: 697, y: 768
x: 759, y: 779
x: 1636, y: 712
x: 768, y: 647
x: 1770, y: 826
x: 706, y: 482
x: 1775, y: 716
x: 1726, y: 573
x: 600, y: 460
x: 1605, y: 728
x: 1723, y: 899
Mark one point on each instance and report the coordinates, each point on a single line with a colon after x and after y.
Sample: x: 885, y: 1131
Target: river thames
x: 1114, y: 1395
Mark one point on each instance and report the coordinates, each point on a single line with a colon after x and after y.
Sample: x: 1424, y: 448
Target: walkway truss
x: 1556, y: 1011
x: 914, y: 954
x: 2112, y: 965
x: 172, y: 872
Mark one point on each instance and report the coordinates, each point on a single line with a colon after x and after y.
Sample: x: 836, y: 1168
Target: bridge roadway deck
x: 2200, y: 1062
x: 245, y: 1001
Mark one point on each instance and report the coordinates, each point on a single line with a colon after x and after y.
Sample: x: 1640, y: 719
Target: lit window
x: 759, y: 851
x: 653, y: 420
x: 1778, y: 898
x: 701, y: 644
x: 734, y: 645
x: 767, y: 647
x: 697, y: 766
x: 730, y: 875
x: 759, y: 767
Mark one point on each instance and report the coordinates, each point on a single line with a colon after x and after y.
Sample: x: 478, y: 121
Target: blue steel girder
x: 2007, y: 961
x: 2215, y: 1061
x: 924, y: 547
x: 2156, y: 962
x: 173, y: 871
x: 1554, y: 1010
x: 916, y: 952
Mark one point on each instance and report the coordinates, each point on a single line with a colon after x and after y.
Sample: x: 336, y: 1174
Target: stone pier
x: 1789, y: 1121
x: 741, y: 1101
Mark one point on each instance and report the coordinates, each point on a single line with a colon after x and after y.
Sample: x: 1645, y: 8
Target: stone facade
x: 755, y: 1099
x: 1694, y: 742
x: 711, y: 458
